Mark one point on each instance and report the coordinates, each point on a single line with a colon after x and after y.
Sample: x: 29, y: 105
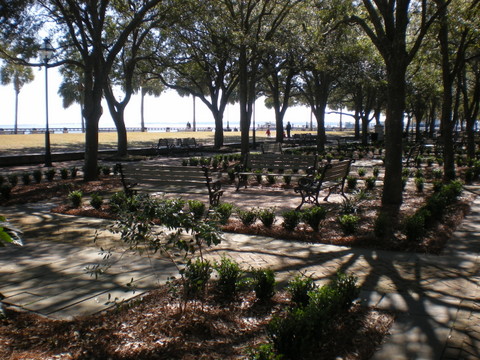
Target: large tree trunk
x: 392, y: 190
x: 219, y: 136
x: 243, y: 100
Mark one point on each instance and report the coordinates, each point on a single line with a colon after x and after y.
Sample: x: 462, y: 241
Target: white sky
x: 167, y: 110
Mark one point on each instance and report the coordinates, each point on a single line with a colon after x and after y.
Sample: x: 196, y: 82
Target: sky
x: 168, y: 110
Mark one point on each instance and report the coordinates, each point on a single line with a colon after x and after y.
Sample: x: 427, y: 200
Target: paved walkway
x: 436, y: 297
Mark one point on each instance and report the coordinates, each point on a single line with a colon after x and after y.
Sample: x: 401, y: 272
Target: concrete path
x: 436, y: 298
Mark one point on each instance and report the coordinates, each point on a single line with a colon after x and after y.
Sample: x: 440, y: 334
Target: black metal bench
x: 272, y: 148
x: 276, y: 165
x: 154, y: 178
x: 331, y: 177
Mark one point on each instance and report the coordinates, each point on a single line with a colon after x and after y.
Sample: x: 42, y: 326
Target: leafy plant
x: 196, y: 275
x: 370, y: 182
x: 287, y: 179
x: 64, y: 173
x: 73, y: 172
x: 266, y: 216
x: 419, y: 183
x: 247, y: 217
x: 271, y: 179
x: 415, y: 225
x: 197, y: 208
x: 299, y: 288
x: 13, y: 179
x: 291, y: 218
x: 9, y: 234
x: 75, y: 198
x: 351, y: 182
x: 348, y: 223
x: 26, y: 178
x: 376, y: 171
x: 229, y: 272
x: 362, y: 172
x: 106, y: 170
x: 263, y: 281
x: 37, y: 176
x: 96, y: 201
x: 314, y: 216
x: 222, y: 212
x: 6, y: 191
x: 50, y: 174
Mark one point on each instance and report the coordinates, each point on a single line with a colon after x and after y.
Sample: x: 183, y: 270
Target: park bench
x: 331, y: 177
x: 153, y: 178
x: 275, y: 165
x: 272, y: 148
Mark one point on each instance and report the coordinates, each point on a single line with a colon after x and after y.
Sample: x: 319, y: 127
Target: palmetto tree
x: 18, y: 75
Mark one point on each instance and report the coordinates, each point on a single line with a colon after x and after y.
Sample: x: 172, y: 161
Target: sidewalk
x: 436, y: 297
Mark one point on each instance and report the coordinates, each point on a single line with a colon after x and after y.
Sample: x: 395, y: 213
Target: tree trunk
x: 219, y: 136
x: 17, y: 92
x: 392, y: 189
x: 142, y: 110
x: 243, y: 100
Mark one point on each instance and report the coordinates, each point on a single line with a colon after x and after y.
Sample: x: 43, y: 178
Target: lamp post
x: 46, y: 53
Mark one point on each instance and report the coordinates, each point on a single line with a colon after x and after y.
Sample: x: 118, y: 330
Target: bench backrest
x: 280, y: 162
x: 272, y: 148
x: 337, y: 171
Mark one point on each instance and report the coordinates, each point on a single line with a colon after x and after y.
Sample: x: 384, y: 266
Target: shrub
x: 194, y: 161
x: 362, y: 172
x: 73, y: 172
x: 382, y: 225
x: 229, y: 273
x: 247, y: 217
x: 419, y: 183
x: 370, y: 182
x: 376, y: 171
x: 406, y: 172
x: 50, y: 174
x: 291, y: 219
x: 415, y: 225
x: 259, y: 176
x: 266, y: 216
x: 185, y: 162
x: 231, y: 174
x: 6, y: 191
x: 264, y: 352
x: 287, y: 179
x: 299, y: 288
x: 271, y: 179
x: 96, y: 201
x: 26, y: 178
x: 13, y: 179
x: 348, y: 223
x: 196, y: 275
x: 223, y: 212
x: 437, y: 185
x: 452, y: 190
x: 118, y: 201
x: 64, y: 173
x: 37, y: 176
x: 313, y: 216
x: 75, y: 198
x: 197, y: 208
x: 263, y: 281
x: 419, y: 173
x: 105, y: 170
x: 351, y: 182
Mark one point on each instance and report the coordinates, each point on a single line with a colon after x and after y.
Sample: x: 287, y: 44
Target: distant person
x: 288, y: 128
x: 268, y: 132
x: 189, y: 126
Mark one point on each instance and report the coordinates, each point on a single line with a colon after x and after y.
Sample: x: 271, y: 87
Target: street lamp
x: 46, y: 53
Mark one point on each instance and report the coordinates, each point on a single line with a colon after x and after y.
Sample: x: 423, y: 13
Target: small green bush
x: 299, y: 288
x: 266, y: 216
x: 376, y: 171
x: 223, y: 212
x: 406, y: 172
x: 196, y: 275
x: 382, y: 225
x: 348, y: 223
x: 415, y: 226
x: 352, y: 182
x: 419, y: 183
x: 362, y: 172
x: 287, y: 179
x: 73, y: 172
x: 118, y: 201
x: 64, y: 173
x: 96, y: 201
x: 26, y: 179
x: 247, y: 217
x: 314, y: 216
x: 13, y: 179
x: 271, y: 179
x: 6, y: 191
x: 231, y: 174
x: 37, y: 176
x: 370, y: 182
x: 50, y: 174
x: 75, y: 198
x: 291, y: 218
x: 229, y: 273
x: 197, y: 208
x: 263, y: 281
